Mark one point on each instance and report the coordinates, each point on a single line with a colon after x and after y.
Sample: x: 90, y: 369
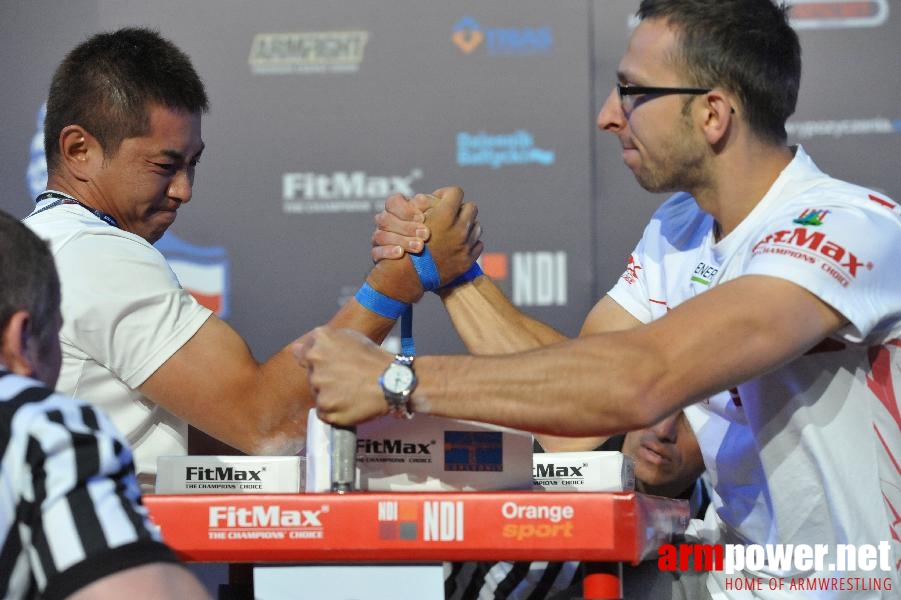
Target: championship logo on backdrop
x: 202, y: 270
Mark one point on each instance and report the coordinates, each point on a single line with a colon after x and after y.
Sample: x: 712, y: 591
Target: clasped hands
x: 342, y: 364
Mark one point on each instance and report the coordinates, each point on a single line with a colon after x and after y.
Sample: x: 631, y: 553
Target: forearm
x: 587, y: 388
x: 285, y: 383
x: 214, y: 383
x: 630, y: 379
x: 488, y: 323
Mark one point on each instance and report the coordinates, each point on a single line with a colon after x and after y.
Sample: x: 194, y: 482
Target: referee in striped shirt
x: 71, y: 520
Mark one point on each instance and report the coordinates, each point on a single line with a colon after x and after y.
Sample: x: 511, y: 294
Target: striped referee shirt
x: 70, y: 508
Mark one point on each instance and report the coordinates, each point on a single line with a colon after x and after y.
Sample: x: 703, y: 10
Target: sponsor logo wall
x: 319, y: 112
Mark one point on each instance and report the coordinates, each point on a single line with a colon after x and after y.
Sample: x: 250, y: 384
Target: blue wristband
x: 474, y: 271
x: 372, y: 299
x: 426, y: 269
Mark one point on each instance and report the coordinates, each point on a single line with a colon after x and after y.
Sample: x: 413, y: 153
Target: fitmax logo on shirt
x: 801, y: 243
x: 486, y: 150
x: 468, y: 35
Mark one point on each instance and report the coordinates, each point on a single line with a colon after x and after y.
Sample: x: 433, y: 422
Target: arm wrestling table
x: 419, y: 527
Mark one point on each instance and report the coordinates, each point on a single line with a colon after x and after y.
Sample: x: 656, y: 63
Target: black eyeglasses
x: 627, y: 93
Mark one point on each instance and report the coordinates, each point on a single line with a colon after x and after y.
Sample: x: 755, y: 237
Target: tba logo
x: 468, y: 35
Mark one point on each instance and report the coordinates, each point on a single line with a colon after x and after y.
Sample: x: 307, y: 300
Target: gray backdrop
x: 322, y: 108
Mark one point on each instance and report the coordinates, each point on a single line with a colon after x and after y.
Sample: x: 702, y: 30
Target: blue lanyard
x: 66, y: 199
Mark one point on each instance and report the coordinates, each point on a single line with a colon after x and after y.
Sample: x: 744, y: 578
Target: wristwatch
x: 398, y: 382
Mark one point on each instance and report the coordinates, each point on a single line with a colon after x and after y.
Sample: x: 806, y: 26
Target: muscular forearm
x: 489, y: 324
x: 214, y: 383
x: 286, y: 384
x: 612, y: 382
x: 559, y: 390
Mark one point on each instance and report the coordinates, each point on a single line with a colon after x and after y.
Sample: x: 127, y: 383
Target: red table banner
x: 417, y: 527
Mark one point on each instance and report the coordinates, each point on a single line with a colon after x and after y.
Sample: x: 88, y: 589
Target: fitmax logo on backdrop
x: 202, y: 270
x: 468, y: 35
x: 499, y: 150
x: 343, y: 191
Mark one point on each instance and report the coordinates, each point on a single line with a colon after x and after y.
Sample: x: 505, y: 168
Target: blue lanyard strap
x: 66, y: 199
x: 390, y: 308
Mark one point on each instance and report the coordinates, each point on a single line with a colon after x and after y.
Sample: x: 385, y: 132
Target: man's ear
x: 80, y: 152
x: 14, y: 344
x: 719, y: 116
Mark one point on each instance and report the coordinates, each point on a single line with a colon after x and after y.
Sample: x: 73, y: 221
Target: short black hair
x: 28, y: 278
x: 744, y: 46
x: 107, y: 83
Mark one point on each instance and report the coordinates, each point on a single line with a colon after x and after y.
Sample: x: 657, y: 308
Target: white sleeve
x: 849, y: 259
x: 631, y: 290
x: 122, y: 304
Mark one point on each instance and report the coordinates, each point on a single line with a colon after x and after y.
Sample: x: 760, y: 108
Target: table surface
x: 383, y: 527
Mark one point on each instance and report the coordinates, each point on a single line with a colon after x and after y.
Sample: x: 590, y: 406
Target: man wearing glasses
x: 763, y: 298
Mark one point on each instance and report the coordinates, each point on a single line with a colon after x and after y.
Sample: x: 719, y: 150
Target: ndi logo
x: 485, y: 150
x: 468, y: 35
x: 530, y: 278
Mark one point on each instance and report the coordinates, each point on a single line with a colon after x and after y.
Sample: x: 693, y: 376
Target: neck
x: 742, y: 177
x: 60, y: 185
x: 70, y: 188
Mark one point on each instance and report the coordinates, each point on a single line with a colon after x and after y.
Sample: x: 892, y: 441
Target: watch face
x: 398, y: 378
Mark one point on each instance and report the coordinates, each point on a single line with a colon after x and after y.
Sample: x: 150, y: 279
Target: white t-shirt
x: 810, y: 453
x: 124, y: 315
